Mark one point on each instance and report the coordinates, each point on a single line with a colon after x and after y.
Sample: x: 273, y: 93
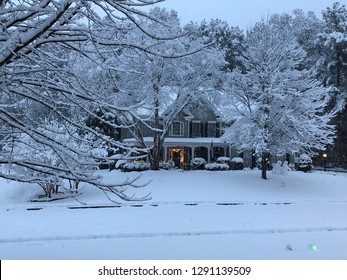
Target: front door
x: 176, y: 155
x: 176, y: 158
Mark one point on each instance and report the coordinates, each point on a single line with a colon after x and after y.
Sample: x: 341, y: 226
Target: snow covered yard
x: 192, y: 215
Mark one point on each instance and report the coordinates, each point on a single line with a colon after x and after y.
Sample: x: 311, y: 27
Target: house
x: 195, y: 132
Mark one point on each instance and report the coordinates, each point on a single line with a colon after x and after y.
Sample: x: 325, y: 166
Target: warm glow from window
x: 179, y: 151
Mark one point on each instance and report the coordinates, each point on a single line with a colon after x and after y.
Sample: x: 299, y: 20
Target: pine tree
x: 331, y: 45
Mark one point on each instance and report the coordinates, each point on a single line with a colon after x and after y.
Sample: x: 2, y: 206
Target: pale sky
x: 242, y: 13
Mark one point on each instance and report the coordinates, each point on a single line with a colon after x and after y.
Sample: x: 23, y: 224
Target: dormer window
x: 196, y: 129
x: 211, y: 129
x: 176, y: 129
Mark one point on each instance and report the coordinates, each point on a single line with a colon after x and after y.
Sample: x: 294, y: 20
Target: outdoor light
x: 325, y: 155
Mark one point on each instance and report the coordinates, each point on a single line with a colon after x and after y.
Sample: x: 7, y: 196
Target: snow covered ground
x: 192, y: 215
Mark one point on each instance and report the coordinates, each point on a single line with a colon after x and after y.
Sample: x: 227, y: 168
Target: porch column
x: 165, y: 153
x: 208, y: 153
x: 193, y: 150
x: 190, y: 154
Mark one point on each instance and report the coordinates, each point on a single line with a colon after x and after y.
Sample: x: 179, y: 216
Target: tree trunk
x: 155, y: 158
x: 263, y: 165
x: 155, y: 153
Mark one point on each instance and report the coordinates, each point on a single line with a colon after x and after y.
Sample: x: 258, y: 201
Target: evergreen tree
x: 229, y: 39
x: 332, y: 47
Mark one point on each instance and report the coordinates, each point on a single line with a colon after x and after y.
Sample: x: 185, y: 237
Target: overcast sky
x: 242, y: 13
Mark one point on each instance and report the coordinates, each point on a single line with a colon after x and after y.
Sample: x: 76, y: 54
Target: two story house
x: 195, y: 132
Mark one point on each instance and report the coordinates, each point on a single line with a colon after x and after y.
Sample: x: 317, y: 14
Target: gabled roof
x: 168, y: 102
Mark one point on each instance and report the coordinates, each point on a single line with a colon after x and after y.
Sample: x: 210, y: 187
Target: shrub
x: 225, y: 160
x: 304, y: 163
x: 43, y: 157
x: 120, y: 163
x: 167, y: 165
x: 198, y: 163
x: 136, y: 166
x: 216, y: 166
x: 236, y: 163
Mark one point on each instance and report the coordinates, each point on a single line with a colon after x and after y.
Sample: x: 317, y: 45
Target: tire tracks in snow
x: 172, y: 203
x: 170, y: 234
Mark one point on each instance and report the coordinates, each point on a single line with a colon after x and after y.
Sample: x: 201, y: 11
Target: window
x: 177, y: 129
x: 211, y: 129
x: 196, y: 129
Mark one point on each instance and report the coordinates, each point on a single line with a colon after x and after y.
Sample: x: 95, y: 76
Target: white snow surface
x: 192, y: 215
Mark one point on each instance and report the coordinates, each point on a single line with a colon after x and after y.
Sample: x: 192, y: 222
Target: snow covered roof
x: 167, y: 103
x: 204, y: 141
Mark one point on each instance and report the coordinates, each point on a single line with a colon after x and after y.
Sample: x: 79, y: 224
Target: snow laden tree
x: 276, y: 106
x: 78, y: 154
x: 304, y: 27
x: 153, y: 89
x: 230, y: 39
x: 332, y: 43
x: 40, y: 41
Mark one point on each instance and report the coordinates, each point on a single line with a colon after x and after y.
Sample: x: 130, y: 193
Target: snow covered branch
x: 277, y: 106
x: 45, y: 103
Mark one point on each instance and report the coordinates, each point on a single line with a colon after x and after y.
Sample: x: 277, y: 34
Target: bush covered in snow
x: 80, y: 155
x: 135, y: 166
x: 167, y: 165
x: 304, y: 163
x: 126, y: 166
x: 236, y: 163
x: 198, y: 163
x: 225, y: 160
x: 120, y: 163
x: 216, y: 166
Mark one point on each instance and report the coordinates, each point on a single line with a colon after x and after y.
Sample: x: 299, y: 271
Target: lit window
x: 177, y: 129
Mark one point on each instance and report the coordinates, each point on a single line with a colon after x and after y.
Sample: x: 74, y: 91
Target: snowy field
x: 192, y: 215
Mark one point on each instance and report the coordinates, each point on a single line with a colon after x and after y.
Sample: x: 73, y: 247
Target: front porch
x: 182, y: 150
